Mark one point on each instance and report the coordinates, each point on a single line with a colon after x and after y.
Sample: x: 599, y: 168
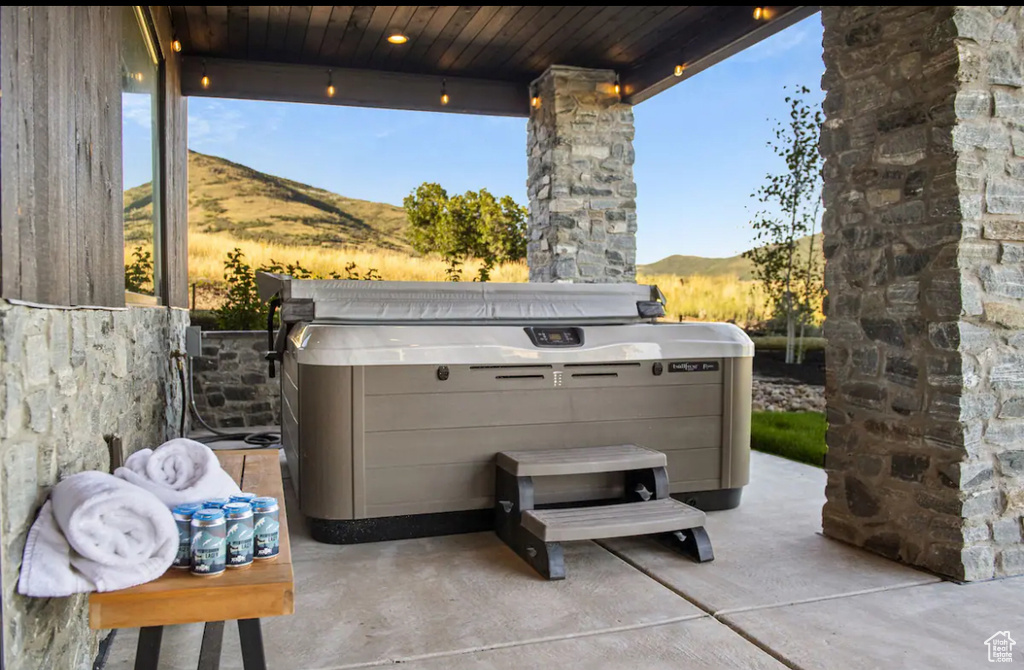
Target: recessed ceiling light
x: 397, y: 38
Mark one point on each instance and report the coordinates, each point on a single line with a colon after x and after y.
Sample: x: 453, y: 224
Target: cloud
x: 214, y: 124
x: 137, y: 108
x: 780, y: 43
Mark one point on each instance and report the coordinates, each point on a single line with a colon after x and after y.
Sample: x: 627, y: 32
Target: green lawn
x: 798, y: 436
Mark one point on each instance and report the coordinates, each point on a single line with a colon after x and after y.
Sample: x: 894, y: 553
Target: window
x: 141, y: 100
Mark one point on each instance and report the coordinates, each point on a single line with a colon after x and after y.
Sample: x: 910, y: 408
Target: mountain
x: 734, y: 266
x: 249, y: 204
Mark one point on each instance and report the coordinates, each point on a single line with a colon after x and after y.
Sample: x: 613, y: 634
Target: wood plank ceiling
x: 496, y: 43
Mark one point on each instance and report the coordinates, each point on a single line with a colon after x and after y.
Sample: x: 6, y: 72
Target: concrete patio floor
x: 778, y: 595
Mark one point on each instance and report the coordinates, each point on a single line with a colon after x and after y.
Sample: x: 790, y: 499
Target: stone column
x: 582, y: 195
x: 924, y: 240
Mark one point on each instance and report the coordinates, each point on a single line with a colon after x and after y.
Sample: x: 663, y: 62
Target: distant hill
x: 249, y: 204
x: 734, y: 266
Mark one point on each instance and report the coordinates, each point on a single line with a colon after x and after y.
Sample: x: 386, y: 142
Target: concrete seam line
x: 818, y: 599
x: 519, y: 643
x: 739, y: 631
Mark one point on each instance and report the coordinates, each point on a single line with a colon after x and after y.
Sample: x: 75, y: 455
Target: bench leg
x: 147, y: 653
x: 213, y: 640
x: 251, y: 636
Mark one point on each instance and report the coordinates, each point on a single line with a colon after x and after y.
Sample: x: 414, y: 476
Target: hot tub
x: 397, y: 396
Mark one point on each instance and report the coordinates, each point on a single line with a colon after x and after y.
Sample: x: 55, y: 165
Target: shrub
x: 243, y: 309
x: 139, y: 272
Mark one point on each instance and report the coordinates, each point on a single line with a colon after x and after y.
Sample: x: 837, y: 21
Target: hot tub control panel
x: 561, y: 336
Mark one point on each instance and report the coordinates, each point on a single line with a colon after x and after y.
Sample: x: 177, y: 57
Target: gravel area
x: 781, y: 395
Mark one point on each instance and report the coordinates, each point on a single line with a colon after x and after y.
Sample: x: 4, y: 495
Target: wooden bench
x: 265, y: 589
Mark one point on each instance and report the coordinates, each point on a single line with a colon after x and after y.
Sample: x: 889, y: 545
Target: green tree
x: 472, y: 225
x: 790, y: 204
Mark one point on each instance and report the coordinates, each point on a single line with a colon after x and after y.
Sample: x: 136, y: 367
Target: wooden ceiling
x: 507, y: 44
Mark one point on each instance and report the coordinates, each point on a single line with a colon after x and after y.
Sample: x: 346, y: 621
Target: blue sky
x: 700, y: 146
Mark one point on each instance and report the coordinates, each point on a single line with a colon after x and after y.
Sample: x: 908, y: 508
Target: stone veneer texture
x: 924, y: 240
x: 232, y: 385
x: 71, y: 379
x: 580, y: 183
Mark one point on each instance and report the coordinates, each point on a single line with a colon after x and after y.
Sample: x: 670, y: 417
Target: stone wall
x: 924, y: 193
x: 580, y: 183
x: 232, y: 387
x: 71, y: 380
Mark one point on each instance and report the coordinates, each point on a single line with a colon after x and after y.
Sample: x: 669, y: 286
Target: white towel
x: 97, y: 533
x: 179, y: 471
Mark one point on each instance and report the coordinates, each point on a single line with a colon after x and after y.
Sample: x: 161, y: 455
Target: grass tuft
x: 798, y: 436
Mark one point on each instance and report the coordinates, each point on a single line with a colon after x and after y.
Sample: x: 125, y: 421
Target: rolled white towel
x: 97, y: 533
x: 179, y: 471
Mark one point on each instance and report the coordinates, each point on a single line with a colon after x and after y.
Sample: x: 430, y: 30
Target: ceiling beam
x: 257, y: 80
x: 735, y: 30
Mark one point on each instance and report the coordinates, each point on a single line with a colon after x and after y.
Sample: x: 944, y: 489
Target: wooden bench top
x: 265, y: 589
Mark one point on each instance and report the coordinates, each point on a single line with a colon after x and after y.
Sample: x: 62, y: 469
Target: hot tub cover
x: 392, y: 302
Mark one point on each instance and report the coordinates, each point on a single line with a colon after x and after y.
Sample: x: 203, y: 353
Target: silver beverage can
x: 239, y: 534
x: 216, y: 503
x: 267, y: 526
x: 183, y: 517
x: 244, y: 496
x: 209, y: 546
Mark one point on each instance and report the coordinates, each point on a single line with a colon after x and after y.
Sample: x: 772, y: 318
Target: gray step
x: 593, y: 523
x: 580, y: 461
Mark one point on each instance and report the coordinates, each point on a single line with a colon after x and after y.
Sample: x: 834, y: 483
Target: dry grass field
x: 690, y: 298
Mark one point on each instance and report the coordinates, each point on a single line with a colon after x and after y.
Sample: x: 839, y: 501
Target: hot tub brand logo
x: 693, y: 366
x: 1000, y: 647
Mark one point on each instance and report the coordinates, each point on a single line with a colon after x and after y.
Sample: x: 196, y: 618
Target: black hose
x: 257, y: 440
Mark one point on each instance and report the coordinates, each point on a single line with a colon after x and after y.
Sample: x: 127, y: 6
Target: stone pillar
x: 924, y: 240
x: 582, y: 195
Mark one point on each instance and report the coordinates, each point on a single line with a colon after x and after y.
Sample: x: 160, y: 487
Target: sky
x: 700, y: 146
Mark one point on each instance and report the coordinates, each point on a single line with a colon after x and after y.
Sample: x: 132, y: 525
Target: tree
x: 790, y: 204
x: 472, y: 225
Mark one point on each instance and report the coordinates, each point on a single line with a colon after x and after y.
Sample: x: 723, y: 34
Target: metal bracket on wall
x: 115, y: 446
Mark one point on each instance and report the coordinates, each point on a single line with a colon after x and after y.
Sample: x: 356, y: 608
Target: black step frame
x: 514, y: 495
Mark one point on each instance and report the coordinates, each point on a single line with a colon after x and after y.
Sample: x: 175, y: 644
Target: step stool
x: 534, y: 534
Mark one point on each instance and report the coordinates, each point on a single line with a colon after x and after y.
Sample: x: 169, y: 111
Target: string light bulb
x: 330, y: 84
x: 758, y: 13
x: 444, y: 92
x: 679, y: 70
x: 205, y: 81
x: 176, y: 45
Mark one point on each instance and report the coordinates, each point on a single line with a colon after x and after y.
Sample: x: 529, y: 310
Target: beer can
x: 244, y: 496
x: 267, y: 527
x: 183, y: 517
x: 215, y: 503
x: 239, y: 534
x: 209, y: 550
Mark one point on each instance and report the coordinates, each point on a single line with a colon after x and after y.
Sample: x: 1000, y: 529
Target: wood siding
x: 61, y: 205
x: 174, y: 168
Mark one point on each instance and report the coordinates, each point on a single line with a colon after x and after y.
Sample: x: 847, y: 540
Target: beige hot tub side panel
x: 410, y: 453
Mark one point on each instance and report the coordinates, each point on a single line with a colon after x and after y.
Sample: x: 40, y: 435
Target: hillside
x: 734, y: 266
x: 250, y: 205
